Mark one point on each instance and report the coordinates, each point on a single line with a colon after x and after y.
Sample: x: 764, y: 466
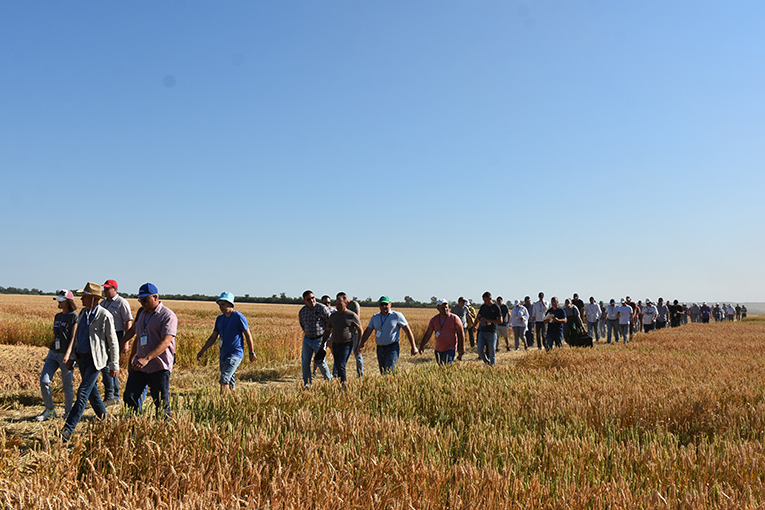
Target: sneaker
x: 110, y: 402
x: 46, y: 415
x: 65, y: 436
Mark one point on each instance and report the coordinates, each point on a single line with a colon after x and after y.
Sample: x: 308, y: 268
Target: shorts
x: 228, y: 366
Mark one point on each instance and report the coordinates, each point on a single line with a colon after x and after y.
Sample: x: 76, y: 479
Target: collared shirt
x: 462, y: 313
x: 154, y: 326
x: 612, y: 312
x: 519, y: 317
x: 120, y: 310
x: 539, y: 310
x: 592, y: 310
x: 387, y: 327
x: 625, y: 314
x: 314, y: 320
x: 662, y: 312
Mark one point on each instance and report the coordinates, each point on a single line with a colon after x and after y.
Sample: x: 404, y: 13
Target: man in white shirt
x: 592, y: 312
x: 625, y: 319
x: 538, y: 312
x: 650, y: 315
x: 612, y: 316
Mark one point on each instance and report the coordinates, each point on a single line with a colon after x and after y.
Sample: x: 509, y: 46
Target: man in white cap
x: 519, y: 319
x: 95, y: 346
x: 650, y: 315
x: 123, y: 320
x: 612, y: 316
x: 232, y: 329
x: 592, y: 313
x: 625, y: 320
x: 450, y: 334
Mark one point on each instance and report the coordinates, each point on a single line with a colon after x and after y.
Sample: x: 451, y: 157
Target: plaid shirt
x: 314, y: 320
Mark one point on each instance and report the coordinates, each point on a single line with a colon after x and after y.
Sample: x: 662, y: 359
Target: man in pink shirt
x: 450, y: 335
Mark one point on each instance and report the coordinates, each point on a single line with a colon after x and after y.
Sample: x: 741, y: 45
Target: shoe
x: 46, y: 415
x: 110, y: 402
x: 65, y: 436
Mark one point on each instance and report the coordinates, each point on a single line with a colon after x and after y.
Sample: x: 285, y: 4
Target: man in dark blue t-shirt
x: 555, y: 319
x: 488, y: 317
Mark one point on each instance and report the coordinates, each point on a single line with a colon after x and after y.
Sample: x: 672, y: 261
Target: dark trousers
x: 341, y: 353
x: 159, y: 387
x: 540, y: 330
x: 88, y: 390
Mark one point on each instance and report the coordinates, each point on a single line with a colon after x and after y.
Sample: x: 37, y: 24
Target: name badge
x: 438, y: 333
x: 58, y: 345
x: 220, y: 343
x: 378, y: 333
x: 144, y: 340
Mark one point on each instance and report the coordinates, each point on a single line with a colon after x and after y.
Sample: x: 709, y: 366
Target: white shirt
x: 519, y: 317
x: 592, y: 311
x: 650, y: 314
x: 539, y: 310
x: 625, y: 314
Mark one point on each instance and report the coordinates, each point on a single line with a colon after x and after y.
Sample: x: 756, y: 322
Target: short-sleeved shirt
x: 462, y: 313
x: 445, y: 329
x: 155, y: 325
x: 313, y: 321
x: 705, y: 312
x: 504, y: 311
x: 62, y: 331
x: 354, y: 307
x: 231, y: 333
x: 387, y: 327
x: 625, y: 314
x: 555, y: 329
x: 342, y: 326
x: 120, y: 310
x: 649, y: 314
x: 593, y: 312
x: 490, y: 312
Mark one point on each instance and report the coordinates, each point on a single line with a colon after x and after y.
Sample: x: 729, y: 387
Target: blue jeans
x: 341, y: 353
x: 228, y: 366
x: 613, y: 325
x: 359, y: 358
x: 87, y: 391
x: 625, y: 331
x: 445, y: 357
x: 111, y: 384
x: 159, y: 386
x: 487, y: 347
x: 592, y: 330
x: 554, y: 338
x: 387, y: 357
x: 310, y: 349
x: 53, y: 362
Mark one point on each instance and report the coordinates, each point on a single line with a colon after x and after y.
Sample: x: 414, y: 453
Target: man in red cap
x: 123, y: 319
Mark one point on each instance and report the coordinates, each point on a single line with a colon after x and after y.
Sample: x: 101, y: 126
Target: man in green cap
x: 386, y: 326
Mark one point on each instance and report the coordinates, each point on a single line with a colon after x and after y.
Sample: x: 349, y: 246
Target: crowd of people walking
x: 97, y: 335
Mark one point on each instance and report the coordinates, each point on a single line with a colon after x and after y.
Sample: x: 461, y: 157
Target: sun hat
x: 383, y: 299
x: 92, y: 289
x: 110, y: 283
x: 226, y: 296
x: 63, y: 295
x: 147, y: 289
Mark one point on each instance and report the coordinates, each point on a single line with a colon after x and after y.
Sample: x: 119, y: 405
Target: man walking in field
x: 450, y: 334
x: 502, y: 327
x: 650, y: 313
x: 95, y: 346
x: 488, y: 317
x: 556, y: 321
x: 123, y: 320
x: 462, y: 311
x: 386, y: 325
x: 232, y: 329
x: 354, y: 306
x: 625, y: 320
x: 539, y: 311
x: 153, y: 352
x: 313, y: 319
x: 612, y: 316
x: 592, y: 313
x: 341, y: 325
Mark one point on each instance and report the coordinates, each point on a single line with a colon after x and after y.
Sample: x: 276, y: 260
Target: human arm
x: 139, y: 363
x: 207, y: 345
x: 71, y: 345
x: 363, y: 340
x: 460, y: 340
x: 426, y: 337
x: 250, y: 345
x: 410, y: 336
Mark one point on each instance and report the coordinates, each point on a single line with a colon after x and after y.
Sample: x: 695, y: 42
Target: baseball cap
x: 613, y: 301
x: 226, y: 296
x: 441, y: 302
x: 516, y: 303
x: 623, y: 301
x: 383, y: 299
x: 147, y: 289
x: 110, y: 283
x: 63, y: 295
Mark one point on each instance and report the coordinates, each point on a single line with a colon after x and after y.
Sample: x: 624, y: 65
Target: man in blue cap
x: 153, y: 352
x: 232, y: 328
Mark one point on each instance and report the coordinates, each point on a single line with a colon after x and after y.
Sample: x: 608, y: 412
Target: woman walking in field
x: 64, y: 329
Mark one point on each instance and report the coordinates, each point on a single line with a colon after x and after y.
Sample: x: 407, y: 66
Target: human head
x: 65, y: 300
x: 384, y: 303
x: 309, y: 299
x: 541, y: 296
x: 341, y: 301
x: 443, y: 306
x: 576, y: 296
x: 554, y: 302
x: 527, y: 299
x: 500, y: 300
x: 592, y: 299
x: 516, y: 303
x: 486, y: 297
x: 461, y: 301
x: 226, y: 302
x: 91, y: 295
x: 567, y: 303
x: 148, y: 295
x: 110, y: 289
x: 326, y: 300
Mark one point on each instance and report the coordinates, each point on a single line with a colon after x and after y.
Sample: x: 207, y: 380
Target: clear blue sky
x: 404, y: 148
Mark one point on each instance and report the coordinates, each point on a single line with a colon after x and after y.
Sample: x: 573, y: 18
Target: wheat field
x: 674, y: 419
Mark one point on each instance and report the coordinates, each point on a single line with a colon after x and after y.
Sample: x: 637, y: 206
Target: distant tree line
x: 282, y: 298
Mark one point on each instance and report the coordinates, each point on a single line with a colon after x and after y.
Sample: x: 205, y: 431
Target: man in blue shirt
x: 386, y: 326
x: 232, y: 328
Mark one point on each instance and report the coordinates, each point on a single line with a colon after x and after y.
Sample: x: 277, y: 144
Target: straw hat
x: 92, y: 289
